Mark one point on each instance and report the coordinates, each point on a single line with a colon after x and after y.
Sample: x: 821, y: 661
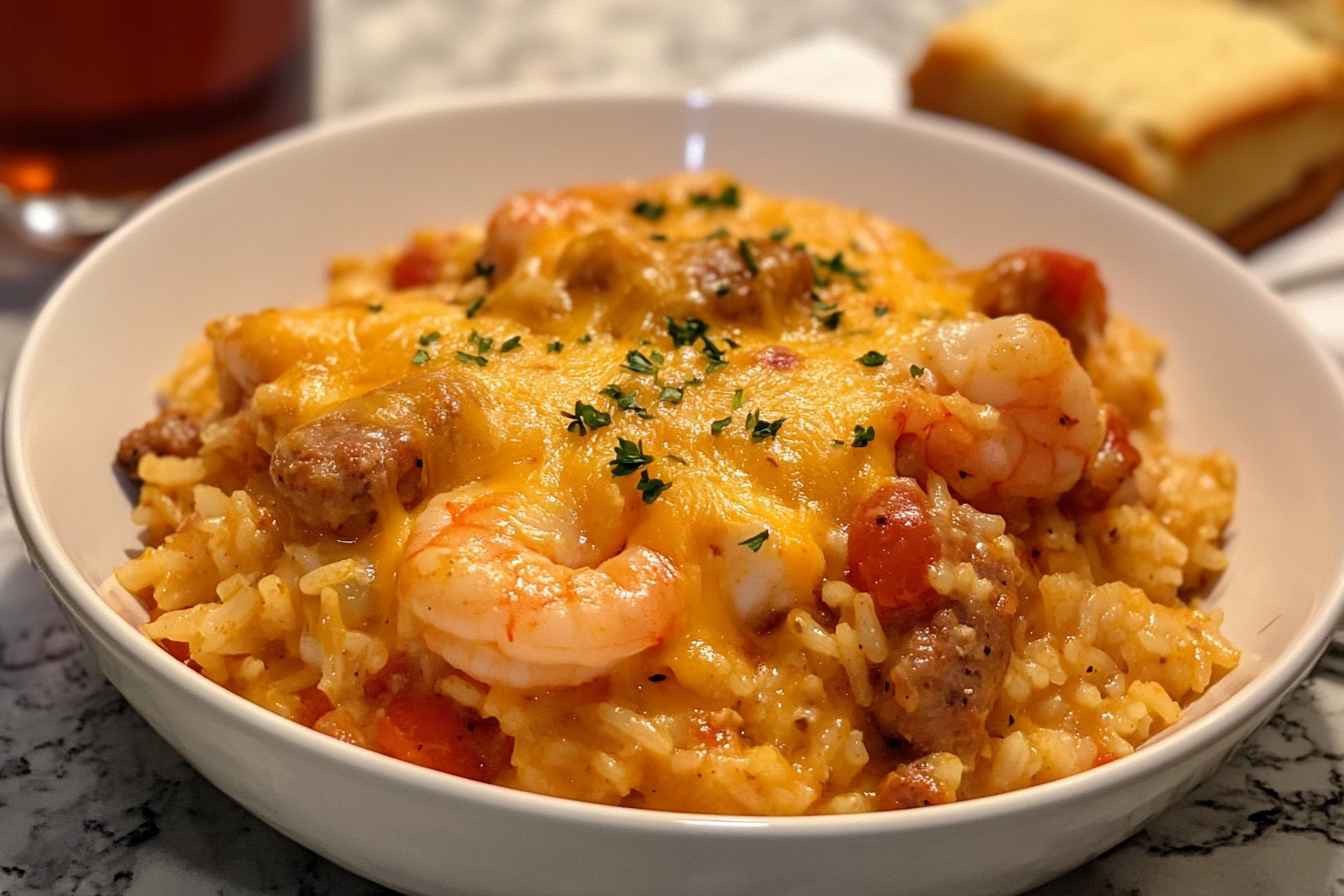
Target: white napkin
x: 1305, y: 266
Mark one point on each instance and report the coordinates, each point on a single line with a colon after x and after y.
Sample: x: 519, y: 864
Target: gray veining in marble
x: 92, y: 801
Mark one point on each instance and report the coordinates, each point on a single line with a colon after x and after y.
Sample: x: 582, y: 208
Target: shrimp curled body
x: 496, y: 584
x: 1000, y: 408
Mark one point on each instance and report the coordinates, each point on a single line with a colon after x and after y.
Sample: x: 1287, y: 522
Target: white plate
x: 256, y: 229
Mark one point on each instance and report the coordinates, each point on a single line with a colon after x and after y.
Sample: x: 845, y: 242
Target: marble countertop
x: 93, y: 802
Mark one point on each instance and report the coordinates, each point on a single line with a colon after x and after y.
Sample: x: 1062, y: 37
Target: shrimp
x: 496, y: 579
x: 1002, y: 409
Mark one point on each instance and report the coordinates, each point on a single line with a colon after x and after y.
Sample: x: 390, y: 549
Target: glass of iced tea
x: 102, y: 102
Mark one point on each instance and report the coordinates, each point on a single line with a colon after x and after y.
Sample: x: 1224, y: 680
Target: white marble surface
x: 93, y: 802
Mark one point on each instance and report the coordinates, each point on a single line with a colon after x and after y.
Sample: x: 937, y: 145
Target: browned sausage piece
x: 172, y: 433
x: 337, y: 470
x: 942, y: 679
x: 748, y: 278
x: 912, y: 785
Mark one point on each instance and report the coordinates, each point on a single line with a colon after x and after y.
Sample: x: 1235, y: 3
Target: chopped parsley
x: 626, y: 401
x: 862, y: 436
x: 872, y: 359
x: 555, y: 347
x: 672, y: 395
x: 754, y: 543
x: 658, y: 237
x: 650, y: 489
x: 482, y: 268
x: 836, y: 265
x: 717, y: 233
x: 727, y: 198
x: 916, y: 371
x: 482, y: 344
x: 718, y: 426
x: 650, y: 210
x: 881, y: 311
x: 737, y: 399
x: 748, y: 259
x: 780, y: 234
x: 759, y: 429
x: 826, y: 313
x: 630, y: 458
x: 420, y: 357
x: 478, y: 360
x: 586, y: 417
x: 510, y: 344
x: 428, y: 339
x: 713, y: 353
x: 686, y: 332
x: 475, y: 306
x: 638, y: 362
x: 585, y: 338
x: 375, y: 307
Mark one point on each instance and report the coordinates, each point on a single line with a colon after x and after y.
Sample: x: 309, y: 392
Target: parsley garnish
x: 826, y: 313
x: 713, y: 353
x: 555, y: 347
x: 759, y: 429
x: 475, y: 306
x: 420, y: 357
x: 748, y: 259
x: 586, y: 417
x: 717, y: 233
x: 863, y: 435
x: 754, y: 543
x: 836, y: 265
x: 482, y: 268
x: 630, y: 458
x: 737, y: 399
x: 718, y: 426
x: 650, y: 210
x: 638, y: 362
x: 881, y: 311
x: 465, y: 358
x: 916, y: 371
x: 658, y: 237
x: 780, y: 234
x: 672, y: 395
x: 626, y: 401
x: 375, y: 307
x: 510, y: 344
x: 728, y: 198
x: 428, y: 339
x: 686, y: 332
x: 872, y: 359
x: 585, y: 338
x: 651, y: 488
x: 482, y: 344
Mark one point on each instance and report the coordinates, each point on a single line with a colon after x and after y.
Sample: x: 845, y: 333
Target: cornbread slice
x: 1222, y: 111
x: 1320, y: 19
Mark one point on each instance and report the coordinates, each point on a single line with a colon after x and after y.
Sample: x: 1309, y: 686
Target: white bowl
x: 255, y: 230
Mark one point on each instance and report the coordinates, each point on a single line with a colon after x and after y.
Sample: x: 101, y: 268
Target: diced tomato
x: 1064, y: 290
x: 891, y: 544
x: 313, y: 705
x: 433, y: 731
x: 417, y: 266
x: 178, y: 650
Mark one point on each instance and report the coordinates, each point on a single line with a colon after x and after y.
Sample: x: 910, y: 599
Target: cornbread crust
x: 1224, y: 156
x: 1314, y: 194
